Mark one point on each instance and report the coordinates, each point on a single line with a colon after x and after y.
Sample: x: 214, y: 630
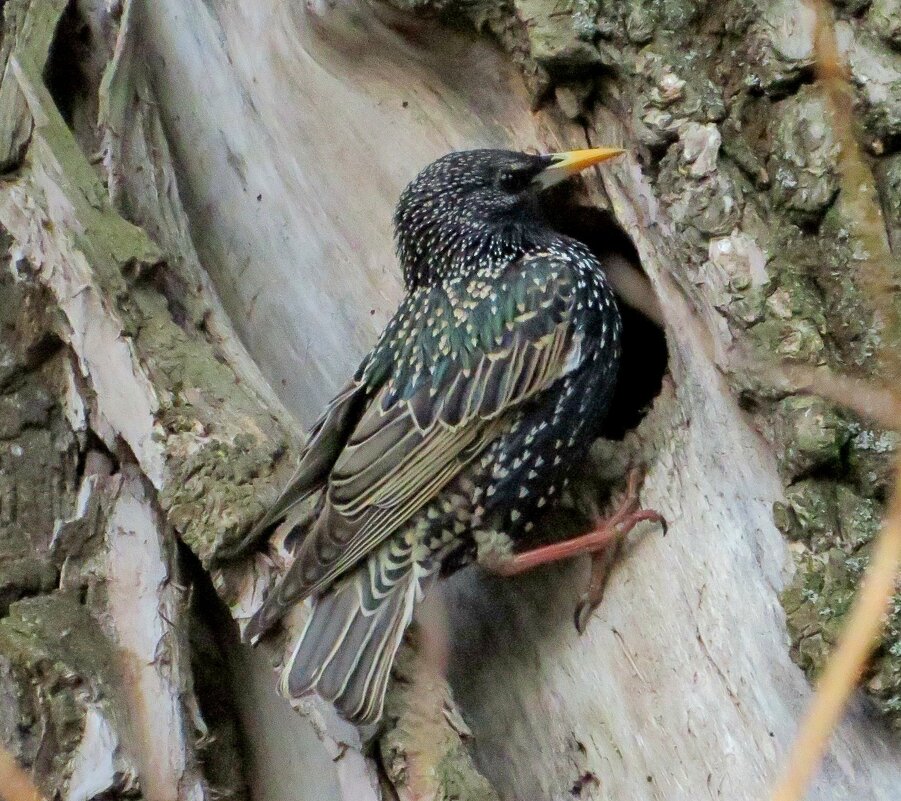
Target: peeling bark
x: 147, y: 610
x: 205, y: 236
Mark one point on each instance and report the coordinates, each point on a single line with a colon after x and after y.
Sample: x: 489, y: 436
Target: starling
x: 487, y: 385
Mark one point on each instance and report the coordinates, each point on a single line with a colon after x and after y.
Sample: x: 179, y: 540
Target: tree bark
x: 198, y: 201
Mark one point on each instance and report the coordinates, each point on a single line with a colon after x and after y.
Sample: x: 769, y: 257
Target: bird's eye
x: 512, y: 181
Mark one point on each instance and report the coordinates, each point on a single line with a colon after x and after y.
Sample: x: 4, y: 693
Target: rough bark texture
x: 197, y: 206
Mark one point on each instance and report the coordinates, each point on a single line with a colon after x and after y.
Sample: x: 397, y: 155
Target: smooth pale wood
x: 147, y: 608
x: 283, y: 756
x: 291, y: 140
x: 288, y: 126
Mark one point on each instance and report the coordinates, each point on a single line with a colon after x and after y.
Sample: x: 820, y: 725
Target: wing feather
x: 432, y: 416
x: 324, y: 445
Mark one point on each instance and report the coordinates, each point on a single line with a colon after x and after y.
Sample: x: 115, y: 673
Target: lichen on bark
x: 39, y: 451
x: 423, y: 748
x: 56, y: 664
x: 207, y: 443
x: 67, y: 716
x: 82, y: 536
x: 59, y: 668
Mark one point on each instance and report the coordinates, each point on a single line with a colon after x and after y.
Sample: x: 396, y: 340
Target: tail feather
x: 321, y: 637
x: 346, y: 650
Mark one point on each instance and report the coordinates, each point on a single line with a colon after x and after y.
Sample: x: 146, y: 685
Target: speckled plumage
x: 460, y: 425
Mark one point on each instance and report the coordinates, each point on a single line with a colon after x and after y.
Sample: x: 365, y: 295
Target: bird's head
x: 476, y: 205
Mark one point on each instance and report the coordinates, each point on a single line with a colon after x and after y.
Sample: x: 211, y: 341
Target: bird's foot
x: 627, y: 515
x: 602, y: 542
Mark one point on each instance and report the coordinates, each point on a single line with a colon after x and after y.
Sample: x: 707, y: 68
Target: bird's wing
x: 447, y: 368
x: 326, y: 439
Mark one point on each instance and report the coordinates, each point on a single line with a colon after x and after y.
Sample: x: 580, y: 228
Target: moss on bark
x: 56, y: 663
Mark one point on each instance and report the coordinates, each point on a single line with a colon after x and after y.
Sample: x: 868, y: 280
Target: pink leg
x: 602, y: 543
x: 608, y: 533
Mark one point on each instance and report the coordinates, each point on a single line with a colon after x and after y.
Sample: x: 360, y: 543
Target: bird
x: 458, y: 428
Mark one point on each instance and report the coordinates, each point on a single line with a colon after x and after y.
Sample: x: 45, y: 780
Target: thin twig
x: 845, y: 666
x: 859, y: 193
x: 880, y: 405
x: 14, y: 783
x: 864, y: 625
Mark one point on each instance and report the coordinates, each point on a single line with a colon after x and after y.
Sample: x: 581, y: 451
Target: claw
x: 603, y: 543
x: 622, y: 521
x: 583, y: 613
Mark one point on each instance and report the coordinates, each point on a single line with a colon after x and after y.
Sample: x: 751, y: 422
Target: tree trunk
x: 197, y: 209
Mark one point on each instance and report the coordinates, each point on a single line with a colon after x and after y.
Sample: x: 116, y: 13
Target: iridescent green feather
x: 532, y: 318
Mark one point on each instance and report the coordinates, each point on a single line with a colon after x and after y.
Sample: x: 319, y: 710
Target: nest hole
x: 645, y: 358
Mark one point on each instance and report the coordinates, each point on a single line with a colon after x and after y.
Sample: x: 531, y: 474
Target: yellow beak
x: 564, y: 165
